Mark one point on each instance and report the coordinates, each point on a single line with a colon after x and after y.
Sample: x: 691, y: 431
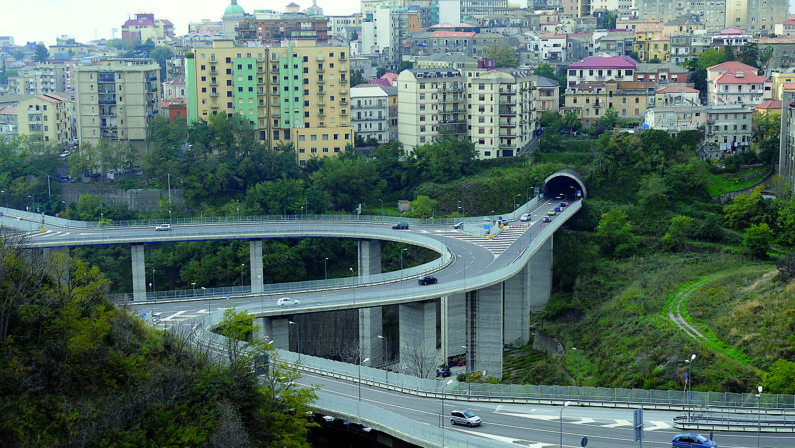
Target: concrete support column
x: 263, y: 329
x: 517, y: 307
x: 485, y: 336
x: 540, y: 270
x: 369, y: 259
x: 280, y: 332
x: 255, y: 261
x: 418, y: 338
x: 370, y: 346
x: 454, y: 325
x: 138, y: 272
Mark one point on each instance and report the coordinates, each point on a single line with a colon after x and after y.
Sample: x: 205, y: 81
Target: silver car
x: 462, y: 417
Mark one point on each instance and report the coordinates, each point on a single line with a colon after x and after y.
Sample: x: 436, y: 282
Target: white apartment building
x: 430, y: 101
x: 754, y: 15
x: 728, y: 131
x: 501, y: 105
x: 370, y: 112
x: 377, y: 33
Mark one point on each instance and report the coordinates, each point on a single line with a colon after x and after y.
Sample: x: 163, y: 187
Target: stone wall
x: 139, y: 200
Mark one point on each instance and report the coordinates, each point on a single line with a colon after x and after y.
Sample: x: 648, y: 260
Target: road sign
x: 584, y: 442
x: 143, y: 315
x: 227, y: 296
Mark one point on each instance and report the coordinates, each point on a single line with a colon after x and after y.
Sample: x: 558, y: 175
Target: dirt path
x: 675, y: 309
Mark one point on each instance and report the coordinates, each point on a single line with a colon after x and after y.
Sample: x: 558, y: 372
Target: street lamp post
x: 242, y: 266
x: 382, y: 206
x: 353, y: 285
x: 66, y: 207
x: 297, y: 339
x: 360, y: 376
x: 578, y: 371
x: 565, y: 405
x: 6, y: 193
x: 466, y: 369
x: 759, y: 420
x: 514, y: 199
x: 382, y: 337
x: 325, y: 268
x: 688, y: 383
x: 463, y: 215
x: 153, y: 281
x: 401, y: 262
x: 170, y: 221
x: 193, y: 284
x: 441, y: 416
x: 209, y: 302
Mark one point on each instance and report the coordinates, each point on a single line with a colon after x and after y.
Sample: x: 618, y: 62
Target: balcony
x: 321, y: 81
x: 344, y: 112
x: 321, y: 70
x: 343, y: 102
x: 343, y: 90
x: 342, y: 57
x: 275, y: 69
x: 320, y: 58
x: 321, y: 92
x: 213, y: 60
x: 214, y: 94
x: 321, y: 102
x: 343, y: 80
x: 213, y: 83
x: 507, y: 111
x: 275, y: 93
x: 321, y: 113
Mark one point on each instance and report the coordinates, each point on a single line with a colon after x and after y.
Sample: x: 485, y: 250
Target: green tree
x: 610, y: 119
x: 746, y: 209
x: 653, y: 195
x: 161, y: 55
x: 698, y: 75
x: 780, y: 378
x: 571, y: 120
x: 41, y: 54
x: 545, y: 69
x: 677, y: 232
x: 405, y: 65
x: 757, y: 240
x: 348, y: 182
x: 615, y: 234
x: 749, y: 54
x: 503, y: 54
x: 423, y: 207
x: 357, y: 78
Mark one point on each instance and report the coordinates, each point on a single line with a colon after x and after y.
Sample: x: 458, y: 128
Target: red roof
x: 678, y: 88
x: 731, y: 31
x: 452, y: 34
x: 744, y: 76
x: 622, y: 62
x: 8, y: 111
x: 772, y: 104
x: 789, y: 86
x: 731, y: 65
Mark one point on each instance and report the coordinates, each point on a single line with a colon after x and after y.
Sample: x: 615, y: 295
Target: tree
x: 749, y: 54
x: 764, y: 58
x: 161, y: 55
x: 757, y: 240
x: 405, y: 65
x: 780, y: 379
x: 545, y: 69
x: 503, y: 54
x: 610, y: 118
x: 615, y: 234
x: 677, y: 232
x: 41, y: 54
x: 357, y: 78
x: 653, y: 195
x: 746, y: 209
x: 348, y: 182
x: 571, y: 120
x: 423, y: 207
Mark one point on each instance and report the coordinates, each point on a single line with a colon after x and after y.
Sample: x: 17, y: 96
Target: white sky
x: 85, y: 20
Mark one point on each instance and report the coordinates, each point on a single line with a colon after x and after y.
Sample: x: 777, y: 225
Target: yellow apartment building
x: 45, y: 118
x: 298, y: 93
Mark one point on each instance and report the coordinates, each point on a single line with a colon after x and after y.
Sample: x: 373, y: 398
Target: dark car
x: 444, y: 373
x: 401, y: 226
x: 692, y: 440
x: 427, y: 280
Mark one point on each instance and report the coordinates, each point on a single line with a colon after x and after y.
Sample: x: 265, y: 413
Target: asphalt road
x: 539, y: 426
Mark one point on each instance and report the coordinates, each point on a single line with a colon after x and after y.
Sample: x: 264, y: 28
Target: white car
x: 287, y: 301
x: 163, y: 227
x: 525, y: 217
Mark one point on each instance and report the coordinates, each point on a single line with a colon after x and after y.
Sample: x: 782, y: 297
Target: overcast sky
x: 85, y: 20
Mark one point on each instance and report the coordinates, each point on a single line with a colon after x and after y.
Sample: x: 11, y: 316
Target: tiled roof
x: 772, y: 104
x: 731, y: 31
x: 731, y: 65
x: 743, y: 76
x: 8, y: 111
x: 623, y: 62
x: 788, y: 86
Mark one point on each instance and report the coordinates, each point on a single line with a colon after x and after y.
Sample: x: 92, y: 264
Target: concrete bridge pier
x: 418, y: 338
x: 370, y: 319
x: 280, y: 332
x: 454, y: 325
x: 485, y: 347
x: 255, y: 261
x: 138, y: 273
x: 540, y: 270
x: 517, y: 307
x: 369, y: 259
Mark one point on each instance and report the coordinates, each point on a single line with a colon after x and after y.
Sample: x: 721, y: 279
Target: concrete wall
x: 138, y: 200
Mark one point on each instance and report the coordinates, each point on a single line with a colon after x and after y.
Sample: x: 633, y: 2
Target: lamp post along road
x: 578, y: 371
x: 297, y: 339
x: 325, y: 268
x: 688, y: 383
x: 759, y: 420
x: 565, y: 405
x: 360, y: 376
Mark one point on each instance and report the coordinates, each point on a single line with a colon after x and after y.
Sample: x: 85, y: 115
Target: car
x: 563, y: 204
x: 287, y: 301
x: 692, y: 440
x: 427, y: 280
x: 546, y: 219
x: 558, y: 209
x: 551, y: 212
x: 163, y: 227
x: 401, y: 226
x: 560, y: 196
x: 458, y: 225
x: 525, y: 217
x: 444, y: 373
x: 463, y: 417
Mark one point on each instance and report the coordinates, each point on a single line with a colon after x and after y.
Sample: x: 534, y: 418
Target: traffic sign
x: 639, y: 426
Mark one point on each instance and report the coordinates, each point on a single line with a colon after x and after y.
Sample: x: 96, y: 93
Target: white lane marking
x: 657, y: 425
x: 518, y: 442
x: 171, y: 317
x: 618, y: 423
x: 584, y: 420
x: 533, y: 416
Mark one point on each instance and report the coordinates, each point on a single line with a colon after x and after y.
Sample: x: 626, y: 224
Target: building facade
x: 728, y: 131
x: 370, y: 112
x: 786, y: 156
x: 294, y: 94
x: 45, y: 118
x: 737, y: 83
x: 115, y: 99
x: 430, y: 101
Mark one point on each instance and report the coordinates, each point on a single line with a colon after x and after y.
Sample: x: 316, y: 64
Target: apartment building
x: 547, y: 96
x: 370, y: 112
x: 501, y: 105
x: 286, y: 27
x: 590, y: 100
x: 38, y: 79
x: 115, y: 99
x: 9, y: 122
x: 733, y: 82
x: 650, y: 44
x: 662, y: 74
x: 298, y: 93
x: 430, y: 102
x: 786, y: 156
x: 755, y: 16
x: 45, y: 118
x: 778, y: 81
x: 676, y: 108
x: 712, y: 13
x: 728, y: 131
x: 783, y: 55
x: 785, y: 28
x: 144, y: 27
x: 601, y: 68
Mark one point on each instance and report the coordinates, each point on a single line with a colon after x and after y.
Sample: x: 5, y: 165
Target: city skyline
x: 46, y: 20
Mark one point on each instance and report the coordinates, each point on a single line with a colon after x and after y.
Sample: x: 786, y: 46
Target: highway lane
x: 537, y: 425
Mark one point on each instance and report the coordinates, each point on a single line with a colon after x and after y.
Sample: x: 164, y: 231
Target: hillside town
x: 486, y: 71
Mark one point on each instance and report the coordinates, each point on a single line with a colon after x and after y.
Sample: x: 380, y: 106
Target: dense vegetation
x: 75, y: 370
